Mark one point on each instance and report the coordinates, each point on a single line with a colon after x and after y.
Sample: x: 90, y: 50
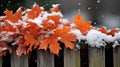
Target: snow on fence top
x: 36, y: 28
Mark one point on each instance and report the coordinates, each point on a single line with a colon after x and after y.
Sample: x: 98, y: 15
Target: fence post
x: 96, y: 57
x: 45, y: 59
x: 19, y: 61
x: 116, y: 56
x: 71, y: 58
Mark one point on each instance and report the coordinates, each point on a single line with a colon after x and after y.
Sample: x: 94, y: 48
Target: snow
x: 78, y: 34
x: 51, y: 21
x: 55, y: 13
x: 97, y: 39
x: 55, y: 5
x: 64, y: 21
x: 117, y: 39
x: 3, y: 48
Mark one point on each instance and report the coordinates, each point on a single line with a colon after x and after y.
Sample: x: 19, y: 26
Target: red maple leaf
x: 111, y: 32
x: 13, y: 17
x: 34, y: 12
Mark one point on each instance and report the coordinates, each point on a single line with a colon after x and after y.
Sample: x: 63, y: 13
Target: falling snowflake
x: 98, y: 1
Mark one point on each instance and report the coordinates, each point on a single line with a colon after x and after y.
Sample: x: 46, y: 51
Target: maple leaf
x: 111, y: 32
x: 103, y: 30
x: 13, y: 17
x: 84, y: 27
x: 54, y: 18
x: 30, y: 41
x: 34, y: 12
x: 8, y: 27
x: 66, y: 37
x: 50, y: 42
x: 55, y: 8
x: 21, y: 49
x: 48, y: 26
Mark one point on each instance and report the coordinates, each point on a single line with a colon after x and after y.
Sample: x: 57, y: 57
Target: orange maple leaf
x: 13, y: 17
x: 8, y: 27
x: 84, y: 27
x: 111, y: 32
x: 66, y: 37
x: 34, y: 12
x: 50, y: 42
x: 30, y: 41
x: 54, y: 18
x: 48, y: 26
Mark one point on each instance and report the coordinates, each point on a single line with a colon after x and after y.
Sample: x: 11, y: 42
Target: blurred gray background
x: 100, y: 12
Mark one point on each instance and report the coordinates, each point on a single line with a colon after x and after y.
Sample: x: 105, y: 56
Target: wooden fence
x: 85, y: 57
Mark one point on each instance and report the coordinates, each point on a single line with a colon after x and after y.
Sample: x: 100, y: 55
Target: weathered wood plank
x: 71, y: 58
x: 19, y: 61
x: 45, y: 59
x: 96, y: 57
x: 77, y: 58
x: 116, y: 55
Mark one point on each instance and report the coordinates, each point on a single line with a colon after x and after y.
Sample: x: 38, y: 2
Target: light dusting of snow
x: 51, y: 21
x: 38, y: 20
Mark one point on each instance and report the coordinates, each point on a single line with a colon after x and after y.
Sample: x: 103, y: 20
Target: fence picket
x: 96, y: 57
x: 71, y: 58
x: 19, y: 61
x: 117, y: 56
x: 45, y: 59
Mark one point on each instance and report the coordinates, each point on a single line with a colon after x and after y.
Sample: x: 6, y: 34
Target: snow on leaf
x: 111, y: 32
x: 55, y: 8
x: 21, y: 49
x: 103, y: 30
x: 13, y: 17
x: 54, y: 18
